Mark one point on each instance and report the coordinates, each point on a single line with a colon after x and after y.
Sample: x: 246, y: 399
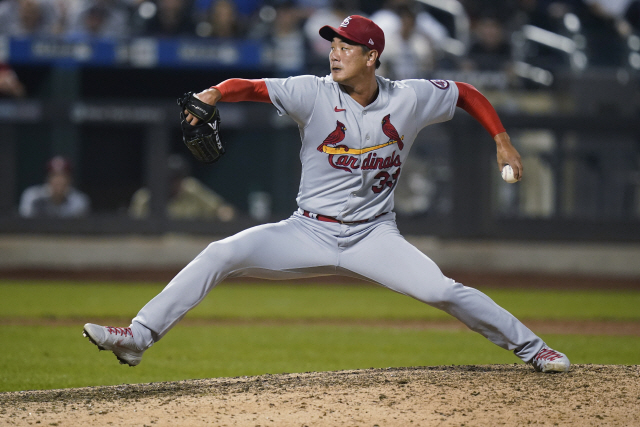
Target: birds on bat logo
x: 349, y: 158
x: 334, y: 137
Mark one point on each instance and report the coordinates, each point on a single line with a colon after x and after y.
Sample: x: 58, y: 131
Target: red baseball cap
x: 358, y: 29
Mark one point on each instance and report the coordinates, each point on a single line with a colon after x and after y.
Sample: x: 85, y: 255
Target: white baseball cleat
x: 549, y: 360
x: 118, y: 340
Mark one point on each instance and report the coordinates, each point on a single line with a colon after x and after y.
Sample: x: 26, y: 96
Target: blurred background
x: 94, y: 172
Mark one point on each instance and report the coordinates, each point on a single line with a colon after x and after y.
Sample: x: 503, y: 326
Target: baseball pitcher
x: 357, y: 130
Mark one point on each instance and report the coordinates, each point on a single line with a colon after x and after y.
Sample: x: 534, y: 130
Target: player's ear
x: 372, y: 56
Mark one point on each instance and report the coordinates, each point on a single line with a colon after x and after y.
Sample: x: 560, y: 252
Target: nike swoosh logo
x: 337, y: 110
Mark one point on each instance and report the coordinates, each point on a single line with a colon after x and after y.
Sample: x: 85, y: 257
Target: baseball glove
x: 203, y: 139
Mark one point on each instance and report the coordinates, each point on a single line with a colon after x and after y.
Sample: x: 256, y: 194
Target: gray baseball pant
x: 301, y: 247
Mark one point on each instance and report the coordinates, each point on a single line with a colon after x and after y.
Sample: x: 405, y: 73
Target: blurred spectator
x: 565, y: 17
x: 188, y: 197
x: 287, y: 40
x: 490, y: 49
x: 9, y: 83
x: 27, y: 17
x: 624, y: 13
x: 308, y: 6
x: 409, y: 54
x: 221, y: 21
x: 503, y: 10
x: 100, y: 18
x: 245, y: 8
x: 546, y: 14
x: 56, y: 197
x: 332, y: 15
x: 170, y: 18
x: 390, y: 22
x: 604, y: 30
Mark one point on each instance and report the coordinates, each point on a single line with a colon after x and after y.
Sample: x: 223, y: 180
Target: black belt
x: 325, y: 218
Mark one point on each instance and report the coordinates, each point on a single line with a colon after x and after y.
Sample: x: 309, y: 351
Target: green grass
x: 282, y: 301
x: 58, y: 357
x: 46, y: 356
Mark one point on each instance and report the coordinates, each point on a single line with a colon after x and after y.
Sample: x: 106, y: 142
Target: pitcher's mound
x: 481, y: 395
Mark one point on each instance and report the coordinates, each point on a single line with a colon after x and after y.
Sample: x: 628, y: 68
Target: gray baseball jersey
x: 352, y: 157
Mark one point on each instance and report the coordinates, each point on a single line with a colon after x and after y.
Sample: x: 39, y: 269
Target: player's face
x: 348, y: 62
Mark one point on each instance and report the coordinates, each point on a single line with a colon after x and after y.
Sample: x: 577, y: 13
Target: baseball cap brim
x: 328, y: 33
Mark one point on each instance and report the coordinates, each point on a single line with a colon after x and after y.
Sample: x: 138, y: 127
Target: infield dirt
x: 511, y: 395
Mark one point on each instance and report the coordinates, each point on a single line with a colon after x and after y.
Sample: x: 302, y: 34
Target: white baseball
x: 507, y: 174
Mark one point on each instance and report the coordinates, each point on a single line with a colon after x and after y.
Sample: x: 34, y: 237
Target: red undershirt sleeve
x: 236, y: 90
x: 479, y: 107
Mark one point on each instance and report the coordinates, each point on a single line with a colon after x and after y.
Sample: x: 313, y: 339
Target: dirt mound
x: 598, y: 395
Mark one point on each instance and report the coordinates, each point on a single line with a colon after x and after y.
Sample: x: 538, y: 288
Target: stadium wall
x: 173, y: 251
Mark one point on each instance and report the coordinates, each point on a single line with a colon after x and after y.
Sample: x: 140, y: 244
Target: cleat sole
x: 86, y: 334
